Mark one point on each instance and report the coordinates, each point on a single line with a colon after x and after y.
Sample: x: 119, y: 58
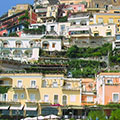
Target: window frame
x: 118, y: 96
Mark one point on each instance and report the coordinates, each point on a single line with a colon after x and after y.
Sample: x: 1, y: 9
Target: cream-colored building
x: 38, y: 94
x: 52, y: 11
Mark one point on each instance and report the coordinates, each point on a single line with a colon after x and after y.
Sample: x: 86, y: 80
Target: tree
x: 115, y: 115
x: 96, y: 114
x: 73, y: 52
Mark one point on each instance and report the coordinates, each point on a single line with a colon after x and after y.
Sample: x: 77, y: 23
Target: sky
x: 5, y: 5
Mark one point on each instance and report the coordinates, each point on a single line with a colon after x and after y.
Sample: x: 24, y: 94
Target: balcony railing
x: 88, y: 92
x: 32, y: 87
x: 32, y: 101
x: 5, y: 84
x: 71, y: 88
x: 19, y: 87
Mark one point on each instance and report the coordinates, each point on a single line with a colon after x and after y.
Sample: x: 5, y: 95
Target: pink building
x: 108, y: 88
x: 73, y: 8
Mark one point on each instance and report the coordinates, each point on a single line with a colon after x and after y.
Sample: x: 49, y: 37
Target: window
x: 56, y: 99
x: 55, y: 85
x: 62, y: 27
x: 44, y: 83
x: 32, y: 97
x: 33, y: 83
x: 72, y: 98
x: 84, y: 87
x: 118, y: 20
x: 22, y: 96
x: 109, y: 82
x: 19, y: 83
x: 46, y: 98
x: 110, y: 20
x: 53, y: 45
x: 4, y: 97
x: 15, y: 97
x: 68, y: 86
x: 115, y: 1
x: 79, y: 8
x: 96, y: 34
x: 50, y: 14
x: 96, y: 5
x: 100, y: 20
x: 89, y: 98
x: 64, y: 100
x: 108, y: 33
x: 115, y: 97
x: 52, y: 28
x: 117, y: 37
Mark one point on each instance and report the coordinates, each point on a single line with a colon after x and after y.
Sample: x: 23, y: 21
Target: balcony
x: 88, y: 92
x: 70, y: 88
x: 9, y: 85
x: 45, y: 102
x: 31, y: 102
x: 33, y: 88
x: 18, y: 87
x: 79, y: 31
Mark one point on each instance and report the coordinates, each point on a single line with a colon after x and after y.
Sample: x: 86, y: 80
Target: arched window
x: 28, y: 53
x: 17, y: 53
x: 5, y: 44
x: 44, y: 83
x: 45, y: 45
x: 18, y: 44
x: 32, y: 43
x: 6, y: 53
x: 64, y: 100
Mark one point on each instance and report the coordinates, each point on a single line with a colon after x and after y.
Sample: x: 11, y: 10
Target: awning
x: 30, y: 108
x: 4, y: 107
x: 19, y: 107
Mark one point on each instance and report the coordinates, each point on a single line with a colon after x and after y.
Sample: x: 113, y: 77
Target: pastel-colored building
x: 12, y: 23
x: 73, y: 8
x: 93, y: 30
x: 71, y: 2
x: 107, y: 18
x: 38, y: 94
x: 108, y: 88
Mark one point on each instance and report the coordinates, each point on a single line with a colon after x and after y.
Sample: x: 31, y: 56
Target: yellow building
x: 107, y: 18
x: 38, y: 94
x: 19, y: 8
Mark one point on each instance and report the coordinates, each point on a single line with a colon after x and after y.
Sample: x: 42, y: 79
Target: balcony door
x: 46, y: 98
x: 19, y: 83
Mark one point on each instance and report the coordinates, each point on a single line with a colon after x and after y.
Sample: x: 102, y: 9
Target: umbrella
x: 28, y: 118
x: 38, y: 118
x: 51, y: 116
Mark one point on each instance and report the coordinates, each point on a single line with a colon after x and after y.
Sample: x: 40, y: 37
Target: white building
x: 54, y: 28
x: 26, y: 48
x: 116, y: 43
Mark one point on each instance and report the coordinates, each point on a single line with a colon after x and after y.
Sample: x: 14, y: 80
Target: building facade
x: 108, y: 88
x: 32, y: 94
x: 27, y: 48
